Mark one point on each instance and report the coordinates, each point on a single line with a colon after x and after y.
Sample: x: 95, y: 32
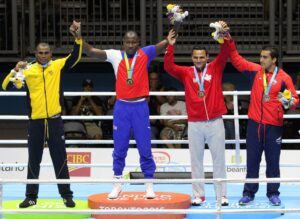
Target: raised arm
x: 169, y: 65
x: 91, y: 51
x: 240, y: 63
x: 94, y: 52
x: 161, y: 46
x: 75, y: 56
x: 221, y: 59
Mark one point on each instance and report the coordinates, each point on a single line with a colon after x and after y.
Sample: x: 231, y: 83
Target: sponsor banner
x: 79, y: 158
x: 161, y: 156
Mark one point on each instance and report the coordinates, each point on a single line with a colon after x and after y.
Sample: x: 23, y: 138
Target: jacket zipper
x: 45, y: 92
x: 205, y: 109
x: 261, y: 107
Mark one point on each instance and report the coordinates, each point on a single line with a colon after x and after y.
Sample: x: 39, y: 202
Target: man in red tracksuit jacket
x: 205, y: 106
x: 265, y: 114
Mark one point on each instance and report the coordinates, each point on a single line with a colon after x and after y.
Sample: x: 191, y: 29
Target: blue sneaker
x: 245, y: 200
x: 275, y: 200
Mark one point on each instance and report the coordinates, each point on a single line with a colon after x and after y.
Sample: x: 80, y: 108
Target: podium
x: 256, y: 205
x: 138, y: 201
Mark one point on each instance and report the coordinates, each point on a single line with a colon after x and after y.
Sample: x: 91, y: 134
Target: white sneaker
x: 224, y: 201
x: 117, y: 189
x: 198, y: 201
x: 149, y: 191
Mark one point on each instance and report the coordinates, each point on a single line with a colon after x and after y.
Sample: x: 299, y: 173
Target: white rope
x: 151, y: 93
x: 149, y: 210
x: 110, y: 117
x: 157, y: 181
x: 83, y: 93
x: 130, y: 142
x: 141, y: 210
x: 23, y: 141
x: 109, y: 165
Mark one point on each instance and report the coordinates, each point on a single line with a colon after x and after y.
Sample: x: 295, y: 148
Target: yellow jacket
x: 44, y: 89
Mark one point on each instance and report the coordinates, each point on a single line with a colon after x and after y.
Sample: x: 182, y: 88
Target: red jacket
x: 270, y: 112
x: 213, y: 105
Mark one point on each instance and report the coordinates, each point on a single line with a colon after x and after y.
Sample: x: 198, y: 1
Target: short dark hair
x: 43, y: 44
x: 273, y: 52
x: 131, y: 32
x: 200, y: 48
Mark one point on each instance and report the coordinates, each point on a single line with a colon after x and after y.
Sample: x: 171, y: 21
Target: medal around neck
x: 266, y: 98
x: 267, y: 87
x: 129, y: 68
x: 129, y: 82
x: 201, y: 94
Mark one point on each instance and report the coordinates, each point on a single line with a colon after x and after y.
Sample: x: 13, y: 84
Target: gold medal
x: 129, y: 82
x: 266, y: 98
x: 201, y: 94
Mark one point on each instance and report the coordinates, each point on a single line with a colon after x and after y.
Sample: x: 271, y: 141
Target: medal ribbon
x: 200, y: 83
x: 130, y: 68
x: 267, y: 87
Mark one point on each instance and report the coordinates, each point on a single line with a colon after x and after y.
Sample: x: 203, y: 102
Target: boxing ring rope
x: 107, y: 165
x: 16, y: 117
x: 156, y: 211
x: 236, y: 118
x: 218, y: 211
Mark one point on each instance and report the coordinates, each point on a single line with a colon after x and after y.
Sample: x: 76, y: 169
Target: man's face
x: 43, y: 54
x: 131, y: 43
x: 199, y: 58
x: 266, y: 60
x: 154, y: 81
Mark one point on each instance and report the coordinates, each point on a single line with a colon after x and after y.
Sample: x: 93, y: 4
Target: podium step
x: 137, y: 200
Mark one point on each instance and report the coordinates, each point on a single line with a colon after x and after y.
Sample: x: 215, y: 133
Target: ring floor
x: 290, y: 194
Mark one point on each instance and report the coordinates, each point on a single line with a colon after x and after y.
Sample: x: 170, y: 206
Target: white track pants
x: 213, y: 133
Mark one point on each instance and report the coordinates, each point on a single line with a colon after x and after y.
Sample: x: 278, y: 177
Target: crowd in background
x: 172, y: 129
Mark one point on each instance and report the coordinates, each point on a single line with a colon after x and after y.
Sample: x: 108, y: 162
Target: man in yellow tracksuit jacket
x: 45, y: 100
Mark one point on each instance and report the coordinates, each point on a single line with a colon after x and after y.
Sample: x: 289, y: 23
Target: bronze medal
x: 201, y: 94
x: 129, y: 82
x: 266, y: 98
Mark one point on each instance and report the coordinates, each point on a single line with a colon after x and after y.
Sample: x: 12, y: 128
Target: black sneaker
x: 27, y: 203
x: 69, y: 202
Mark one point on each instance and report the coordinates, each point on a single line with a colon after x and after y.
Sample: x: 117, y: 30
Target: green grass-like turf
x: 46, y: 205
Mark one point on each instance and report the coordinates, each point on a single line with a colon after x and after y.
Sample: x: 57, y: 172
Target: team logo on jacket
x: 278, y: 140
x: 207, y: 78
x: 50, y: 72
